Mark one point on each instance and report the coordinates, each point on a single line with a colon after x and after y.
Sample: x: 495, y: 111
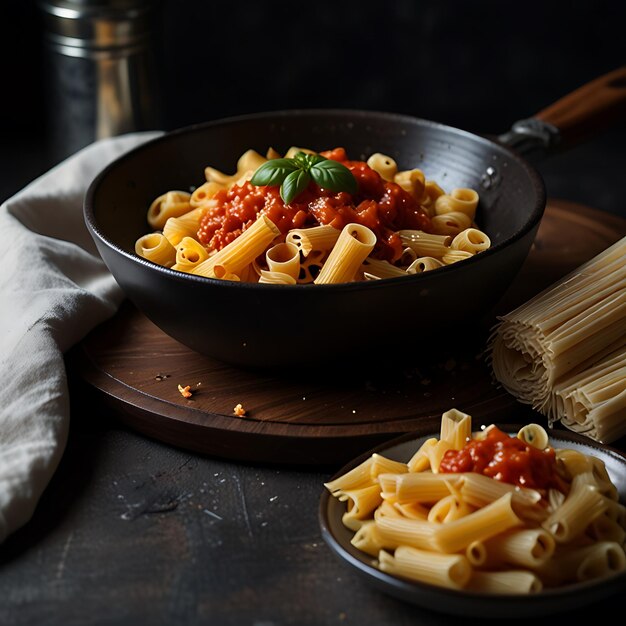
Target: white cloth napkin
x: 54, y: 289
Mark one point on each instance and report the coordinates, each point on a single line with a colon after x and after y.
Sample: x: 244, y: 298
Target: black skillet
x: 348, y: 324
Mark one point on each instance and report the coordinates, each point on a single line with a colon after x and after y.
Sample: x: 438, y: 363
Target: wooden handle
x: 590, y: 109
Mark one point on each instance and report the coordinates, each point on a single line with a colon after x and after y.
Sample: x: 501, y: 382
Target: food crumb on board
x: 239, y: 411
x: 449, y: 365
x: 185, y: 392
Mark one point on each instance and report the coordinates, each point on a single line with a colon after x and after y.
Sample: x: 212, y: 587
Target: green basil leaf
x: 273, y: 172
x: 332, y: 175
x: 294, y: 185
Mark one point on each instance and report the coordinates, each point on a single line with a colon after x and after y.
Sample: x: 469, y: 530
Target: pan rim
x: 171, y: 135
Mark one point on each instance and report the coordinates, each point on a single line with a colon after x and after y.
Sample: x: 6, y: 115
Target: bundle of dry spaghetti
x: 564, y: 351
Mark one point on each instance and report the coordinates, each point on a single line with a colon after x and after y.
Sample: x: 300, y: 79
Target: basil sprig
x: 294, y: 175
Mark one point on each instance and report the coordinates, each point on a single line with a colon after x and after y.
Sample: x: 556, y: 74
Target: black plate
x: 465, y: 603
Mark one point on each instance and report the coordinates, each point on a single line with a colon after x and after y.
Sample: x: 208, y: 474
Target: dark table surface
x: 133, y: 531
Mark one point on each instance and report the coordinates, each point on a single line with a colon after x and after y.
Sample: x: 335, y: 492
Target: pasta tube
x: 456, y: 428
x: 412, y: 181
x: 314, y: 238
x: 583, y: 563
x: 203, y: 194
x: 240, y: 252
x: 384, y: 165
x: 177, y: 228
x: 381, y: 269
x: 276, y: 278
x: 462, y: 200
x: 359, y: 476
x: 477, y: 526
x: 450, y: 223
x: 431, y: 192
x: 454, y: 256
x: 397, y: 531
x: 580, y: 508
x: 446, y: 570
x: 361, y: 502
x: 170, y: 204
x: 353, y: 246
x: 421, y: 459
x: 249, y: 161
x: 471, y: 240
x: 426, y: 244
x: 367, y: 539
x: 419, y: 486
x: 423, y: 264
x: 156, y: 248
x: 284, y: 258
x: 528, y: 548
x: 505, y: 582
x: 189, y: 253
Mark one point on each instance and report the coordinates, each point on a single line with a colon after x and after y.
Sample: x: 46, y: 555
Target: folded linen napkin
x: 54, y: 289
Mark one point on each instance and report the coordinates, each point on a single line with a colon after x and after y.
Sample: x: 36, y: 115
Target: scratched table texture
x: 132, y: 531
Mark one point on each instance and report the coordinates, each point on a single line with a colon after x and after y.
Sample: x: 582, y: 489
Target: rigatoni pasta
x: 241, y: 252
x: 352, y: 247
x: 394, y: 222
x: 170, y: 204
x: 156, y: 248
x: 446, y: 570
x: 176, y: 229
x: 189, y: 254
x: 485, y: 516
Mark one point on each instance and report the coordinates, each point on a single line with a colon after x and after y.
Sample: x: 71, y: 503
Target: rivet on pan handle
x: 531, y: 136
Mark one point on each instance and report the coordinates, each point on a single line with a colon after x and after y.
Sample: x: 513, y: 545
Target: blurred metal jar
x: 101, y: 78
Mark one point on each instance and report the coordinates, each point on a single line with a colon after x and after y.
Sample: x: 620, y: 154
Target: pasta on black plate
x: 486, y: 511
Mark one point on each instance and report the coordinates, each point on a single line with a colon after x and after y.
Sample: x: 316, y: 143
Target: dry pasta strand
x: 564, y: 351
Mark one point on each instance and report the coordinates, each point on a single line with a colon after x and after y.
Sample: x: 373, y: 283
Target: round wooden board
x: 315, y: 419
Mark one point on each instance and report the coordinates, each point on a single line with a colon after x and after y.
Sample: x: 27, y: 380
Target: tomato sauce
x: 507, y: 459
x: 382, y: 206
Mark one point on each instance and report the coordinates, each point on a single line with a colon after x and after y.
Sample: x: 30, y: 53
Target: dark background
x: 120, y: 536
x: 476, y: 65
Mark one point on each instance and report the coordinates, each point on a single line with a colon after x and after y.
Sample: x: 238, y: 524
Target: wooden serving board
x: 134, y: 369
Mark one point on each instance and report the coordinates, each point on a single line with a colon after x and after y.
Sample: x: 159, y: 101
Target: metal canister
x: 100, y: 67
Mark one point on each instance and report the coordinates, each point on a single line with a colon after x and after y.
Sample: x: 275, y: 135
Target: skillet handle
x: 586, y: 111
x: 590, y: 109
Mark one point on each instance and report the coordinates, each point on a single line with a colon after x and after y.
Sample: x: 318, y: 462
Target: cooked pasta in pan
x: 348, y: 221
x: 486, y: 511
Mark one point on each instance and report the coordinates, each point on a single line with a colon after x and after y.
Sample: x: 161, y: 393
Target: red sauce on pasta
x: 507, y: 459
x: 382, y: 206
